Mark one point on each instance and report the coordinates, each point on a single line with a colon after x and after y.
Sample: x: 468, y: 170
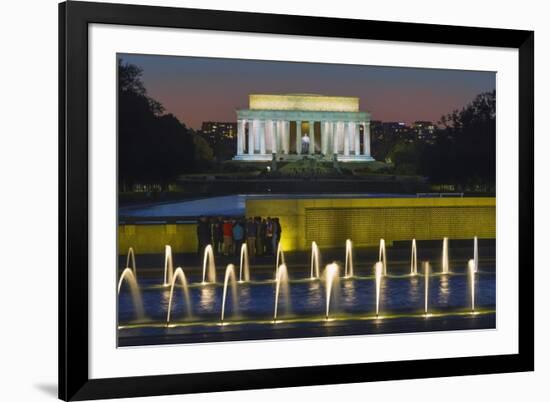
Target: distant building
x: 424, y: 130
x: 290, y: 126
x: 213, y: 131
x: 221, y: 137
x: 395, y: 128
x: 390, y: 131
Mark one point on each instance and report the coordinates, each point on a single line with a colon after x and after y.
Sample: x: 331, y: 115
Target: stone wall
x: 331, y: 221
x: 151, y: 238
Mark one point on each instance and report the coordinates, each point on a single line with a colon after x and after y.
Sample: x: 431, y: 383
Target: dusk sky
x: 197, y: 89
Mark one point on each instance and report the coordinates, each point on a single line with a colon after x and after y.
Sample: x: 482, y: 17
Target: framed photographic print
x: 256, y: 200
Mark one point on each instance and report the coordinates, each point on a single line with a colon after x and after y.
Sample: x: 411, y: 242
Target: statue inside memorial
x: 305, y: 144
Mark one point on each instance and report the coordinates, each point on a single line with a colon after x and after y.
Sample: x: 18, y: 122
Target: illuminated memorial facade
x: 291, y: 126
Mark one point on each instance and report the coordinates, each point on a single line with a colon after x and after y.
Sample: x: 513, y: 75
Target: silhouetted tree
x: 407, y: 157
x: 153, y: 147
x: 203, y: 152
x: 464, y: 152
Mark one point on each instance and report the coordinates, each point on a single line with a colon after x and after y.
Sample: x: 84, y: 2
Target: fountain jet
x: 314, y: 261
x: 414, y: 261
x: 476, y: 258
x: 208, y: 265
x: 445, y: 256
x: 378, y: 273
x: 128, y: 276
x: 382, y: 256
x: 131, y: 258
x: 472, y: 277
x: 348, y: 271
x: 282, y: 285
x: 229, y: 276
x: 331, y: 277
x: 168, y: 265
x: 179, y: 274
x: 280, y: 259
x: 244, y: 264
x: 426, y: 285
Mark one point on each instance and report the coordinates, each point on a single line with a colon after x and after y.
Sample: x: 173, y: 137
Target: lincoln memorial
x: 293, y: 125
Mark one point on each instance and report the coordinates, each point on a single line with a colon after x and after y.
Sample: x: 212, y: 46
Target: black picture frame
x: 74, y: 18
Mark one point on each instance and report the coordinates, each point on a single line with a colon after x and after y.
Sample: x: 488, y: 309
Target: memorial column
x: 250, y: 138
x: 311, y: 137
x: 256, y: 129
x: 324, y: 137
x: 240, y: 136
x: 333, y: 137
x: 339, y: 136
x: 298, y: 137
x: 275, y: 143
x: 279, y: 136
x: 261, y: 129
x: 283, y: 138
x: 366, y: 138
x: 269, y: 136
x: 346, y: 139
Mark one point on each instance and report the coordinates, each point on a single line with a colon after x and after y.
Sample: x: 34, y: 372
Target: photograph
x: 263, y: 199
x: 274, y: 201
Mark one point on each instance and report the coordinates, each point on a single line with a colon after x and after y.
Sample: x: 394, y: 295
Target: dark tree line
x: 153, y: 147
x: 464, y: 150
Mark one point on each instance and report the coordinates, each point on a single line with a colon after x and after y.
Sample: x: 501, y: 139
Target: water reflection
x: 245, y: 301
x: 314, y: 297
x: 384, y: 289
x: 165, y: 299
x: 207, y: 298
x: 444, y: 290
x: 349, y: 293
x: 413, y: 291
x: 398, y: 294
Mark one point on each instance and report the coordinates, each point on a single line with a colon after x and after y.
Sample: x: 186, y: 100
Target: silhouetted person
x: 263, y: 234
x: 238, y: 236
x: 269, y: 236
x: 203, y: 234
x: 213, y: 223
x: 227, y: 237
x: 277, y: 233
x: 259, y: 236
x: 251, y: 237
x: 219, y: 236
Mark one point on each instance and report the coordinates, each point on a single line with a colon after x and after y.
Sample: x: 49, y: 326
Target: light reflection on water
x: 414, y: 292
x: 207, y: 298
x: 314, y: 295
x: 355, y: 296
x: 349, y: 296
x: 444, y: 290
x: 384, y: 296
x: 165, y: 299
x: 245, y: 301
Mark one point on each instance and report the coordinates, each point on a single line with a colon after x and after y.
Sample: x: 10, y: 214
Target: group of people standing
x: 227, y: 235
